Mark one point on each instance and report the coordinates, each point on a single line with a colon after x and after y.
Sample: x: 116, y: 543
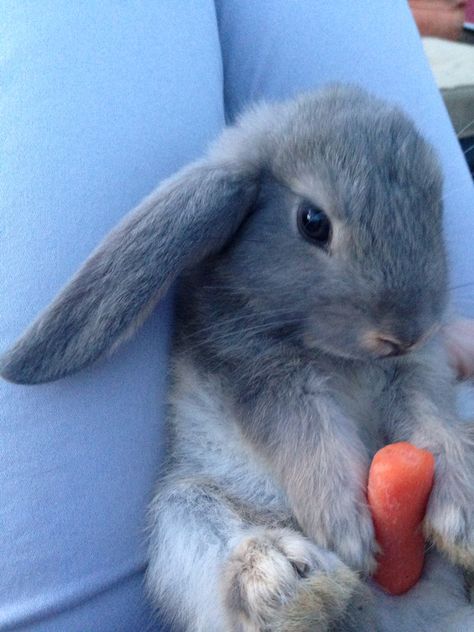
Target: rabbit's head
x: 322, y: 215
x: 343, y: 251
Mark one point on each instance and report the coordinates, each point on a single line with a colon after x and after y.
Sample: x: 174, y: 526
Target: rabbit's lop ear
x: 190, y: 216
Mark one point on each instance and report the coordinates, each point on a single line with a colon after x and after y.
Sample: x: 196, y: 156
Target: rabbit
x: 311, y: 287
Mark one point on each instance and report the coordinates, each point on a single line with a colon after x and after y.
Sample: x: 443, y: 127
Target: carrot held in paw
x: 400, y: 481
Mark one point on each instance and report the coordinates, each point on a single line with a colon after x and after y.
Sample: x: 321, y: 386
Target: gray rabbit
x: 312, y: 285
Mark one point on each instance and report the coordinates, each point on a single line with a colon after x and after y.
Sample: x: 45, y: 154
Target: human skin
x: 439, y: 18
x: 459, y: 339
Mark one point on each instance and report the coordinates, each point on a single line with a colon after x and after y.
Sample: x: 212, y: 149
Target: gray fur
x: 189, y: 216
x: 281, y: 391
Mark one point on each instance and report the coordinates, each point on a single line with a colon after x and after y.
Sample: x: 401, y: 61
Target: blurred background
x: 447, y: 30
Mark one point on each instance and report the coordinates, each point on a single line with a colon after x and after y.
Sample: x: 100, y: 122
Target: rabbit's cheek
x: 339, y: 332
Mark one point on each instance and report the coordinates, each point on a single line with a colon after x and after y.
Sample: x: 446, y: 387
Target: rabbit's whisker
x: 237, y: 318
x: 468, y: 150
x: 226, y: 336
x: 466, y: 127
x: 461, y: 286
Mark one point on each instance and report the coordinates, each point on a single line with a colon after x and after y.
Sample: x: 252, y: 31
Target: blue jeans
x: 99, y: 102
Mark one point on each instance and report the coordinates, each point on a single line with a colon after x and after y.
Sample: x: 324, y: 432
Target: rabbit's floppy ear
x: 188, y: 217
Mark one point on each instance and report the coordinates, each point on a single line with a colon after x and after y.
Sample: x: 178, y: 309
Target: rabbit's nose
x: 386, y: 346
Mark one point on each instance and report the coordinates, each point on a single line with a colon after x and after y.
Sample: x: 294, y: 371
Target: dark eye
x: 314, y: 225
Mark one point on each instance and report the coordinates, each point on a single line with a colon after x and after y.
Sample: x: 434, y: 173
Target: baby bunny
x: 312, y: 286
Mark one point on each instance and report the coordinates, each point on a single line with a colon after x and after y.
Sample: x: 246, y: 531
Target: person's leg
x: 273, y: 49
x: 99, y: 102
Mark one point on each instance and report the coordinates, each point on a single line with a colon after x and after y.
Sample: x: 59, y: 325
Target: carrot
x: 400, y: 481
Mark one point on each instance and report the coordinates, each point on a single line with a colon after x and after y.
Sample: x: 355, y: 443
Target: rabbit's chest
x: 362, y: 393
x: 207, y: 441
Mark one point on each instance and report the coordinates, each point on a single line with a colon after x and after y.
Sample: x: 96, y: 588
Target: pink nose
x: 384, y: 345
x: 391, y: 346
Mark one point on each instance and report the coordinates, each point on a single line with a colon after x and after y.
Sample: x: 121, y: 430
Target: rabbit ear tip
x: 17, y: 371
x: 15, y: 376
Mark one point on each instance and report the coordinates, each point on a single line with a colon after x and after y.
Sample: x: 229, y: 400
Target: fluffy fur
x: 292, y: 362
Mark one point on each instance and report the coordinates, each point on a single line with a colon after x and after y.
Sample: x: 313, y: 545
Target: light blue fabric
x: 99, y: 102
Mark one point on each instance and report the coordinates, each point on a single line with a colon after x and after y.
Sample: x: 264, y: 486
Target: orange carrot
x: 400, y: 481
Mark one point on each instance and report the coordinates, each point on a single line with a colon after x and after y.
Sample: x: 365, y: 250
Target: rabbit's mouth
x: 385, y: 345
x: 368, y: 344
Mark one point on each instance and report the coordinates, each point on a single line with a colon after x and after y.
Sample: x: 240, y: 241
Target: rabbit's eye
x: 314, y: 225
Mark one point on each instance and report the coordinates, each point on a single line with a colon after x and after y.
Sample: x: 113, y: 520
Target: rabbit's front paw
x: 346, y: 528
x: 449, y: 521
x: 276, y: 579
